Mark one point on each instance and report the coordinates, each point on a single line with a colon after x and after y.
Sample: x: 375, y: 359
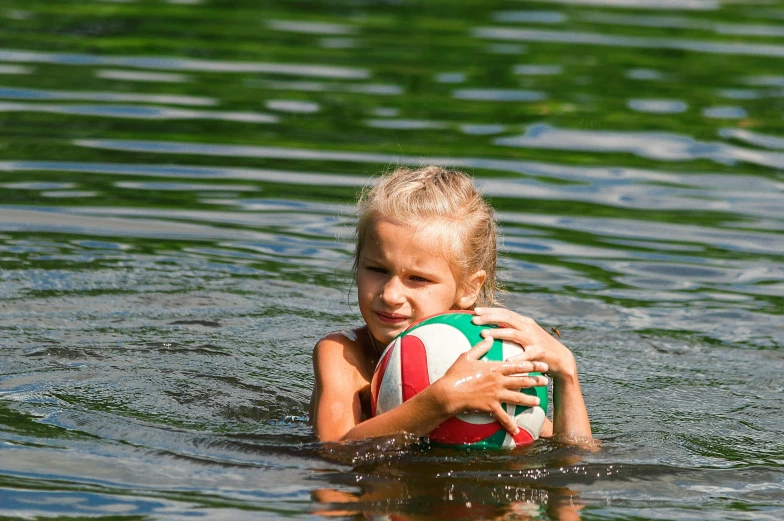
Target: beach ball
x: 422, y: 354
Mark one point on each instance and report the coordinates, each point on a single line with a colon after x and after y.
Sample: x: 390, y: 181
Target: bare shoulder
x: 341, y: 348
x: 342, y: 337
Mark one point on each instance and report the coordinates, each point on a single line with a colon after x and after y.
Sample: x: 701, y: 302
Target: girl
x: 426, y: 244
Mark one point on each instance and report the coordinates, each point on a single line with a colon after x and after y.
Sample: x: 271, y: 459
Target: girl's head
x: 445, y: 205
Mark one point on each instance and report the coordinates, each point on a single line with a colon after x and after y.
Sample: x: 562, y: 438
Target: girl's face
x: 402, y: 279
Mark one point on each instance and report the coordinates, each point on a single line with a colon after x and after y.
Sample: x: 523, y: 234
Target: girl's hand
x: 570, y: 417
x: 538, y: 344
x: 478, y: 385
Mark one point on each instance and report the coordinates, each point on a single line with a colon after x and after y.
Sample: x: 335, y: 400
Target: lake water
x: 176, y: 182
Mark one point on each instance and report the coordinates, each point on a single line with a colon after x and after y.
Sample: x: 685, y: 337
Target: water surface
x: 176, y: 182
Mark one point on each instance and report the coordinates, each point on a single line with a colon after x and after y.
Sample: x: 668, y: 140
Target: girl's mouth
x: 391, y: 318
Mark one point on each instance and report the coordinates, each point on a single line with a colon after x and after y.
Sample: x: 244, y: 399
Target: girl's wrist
x: 565, y: 378
x: 443, y: 401
x: 567, y: 373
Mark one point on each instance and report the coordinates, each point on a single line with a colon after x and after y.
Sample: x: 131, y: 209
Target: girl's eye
x: 417, y: 278
x: 376, y: 269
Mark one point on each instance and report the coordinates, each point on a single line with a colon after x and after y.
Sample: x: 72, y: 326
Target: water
x: 176, y: 181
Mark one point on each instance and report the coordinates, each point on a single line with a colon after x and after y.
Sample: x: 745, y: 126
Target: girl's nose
x: 393, y: 291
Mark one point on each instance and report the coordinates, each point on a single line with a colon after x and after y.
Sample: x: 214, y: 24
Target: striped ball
x: 422, y: 354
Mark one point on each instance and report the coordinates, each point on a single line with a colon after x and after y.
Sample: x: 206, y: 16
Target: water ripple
x: 498, y: 95
x: 138, y: 112
x: 537, y: 70
x: 15, y: 69
x: 62, y: 95
x: 158, y: 77
x: 611, y: 185
x: 753, y: 138
x: 188, y: 172
x: 725, y: 112
x: 157, y: 311
x: 658, y: 106
x: 377, y: 89
x: 404, y: 124
x: 641, y: 42
x: 688, y: 5
x: 293, y: 106
x: 652, y: 145
x: 306, y: 27
x: 537, y: 17
x: 184, y: 64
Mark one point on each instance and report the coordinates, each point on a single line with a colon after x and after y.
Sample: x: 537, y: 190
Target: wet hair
x: 445, y: 202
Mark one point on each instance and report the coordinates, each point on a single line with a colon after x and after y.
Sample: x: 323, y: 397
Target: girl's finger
x: 507, y: 333
x: 499, y: 316
x: 505, y: 420
x: 518, y: 398
x: 484, y: 316
x: 535, y: 355
x: 518, y: 367
x: 480, y: 349
x: 537, y: 366
x: 526, y: 381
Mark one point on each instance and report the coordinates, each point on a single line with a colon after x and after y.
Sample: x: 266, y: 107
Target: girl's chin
x: 384, y: 338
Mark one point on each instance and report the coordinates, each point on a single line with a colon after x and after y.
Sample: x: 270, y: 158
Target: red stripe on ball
x: 413, y: 366
x: 378, y: 377
x: 523, y: 438
x: 455, y: 431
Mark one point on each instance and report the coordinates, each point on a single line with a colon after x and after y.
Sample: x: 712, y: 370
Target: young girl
x: 426, y: 244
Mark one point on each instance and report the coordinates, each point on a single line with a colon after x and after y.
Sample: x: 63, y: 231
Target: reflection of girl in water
x: 426, y: 244
x: 413, y: 488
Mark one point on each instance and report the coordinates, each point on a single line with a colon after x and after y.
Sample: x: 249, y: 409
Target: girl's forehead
x: 433, y: 236
x: 432, y: 232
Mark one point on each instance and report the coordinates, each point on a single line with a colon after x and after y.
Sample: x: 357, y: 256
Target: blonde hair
x: 446, y: 201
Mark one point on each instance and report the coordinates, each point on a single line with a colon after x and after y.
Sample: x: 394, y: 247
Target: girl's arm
x: 468, y: 384
x: 570, y: 417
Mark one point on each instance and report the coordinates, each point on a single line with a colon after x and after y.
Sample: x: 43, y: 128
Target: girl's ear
x: 470, y: 289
